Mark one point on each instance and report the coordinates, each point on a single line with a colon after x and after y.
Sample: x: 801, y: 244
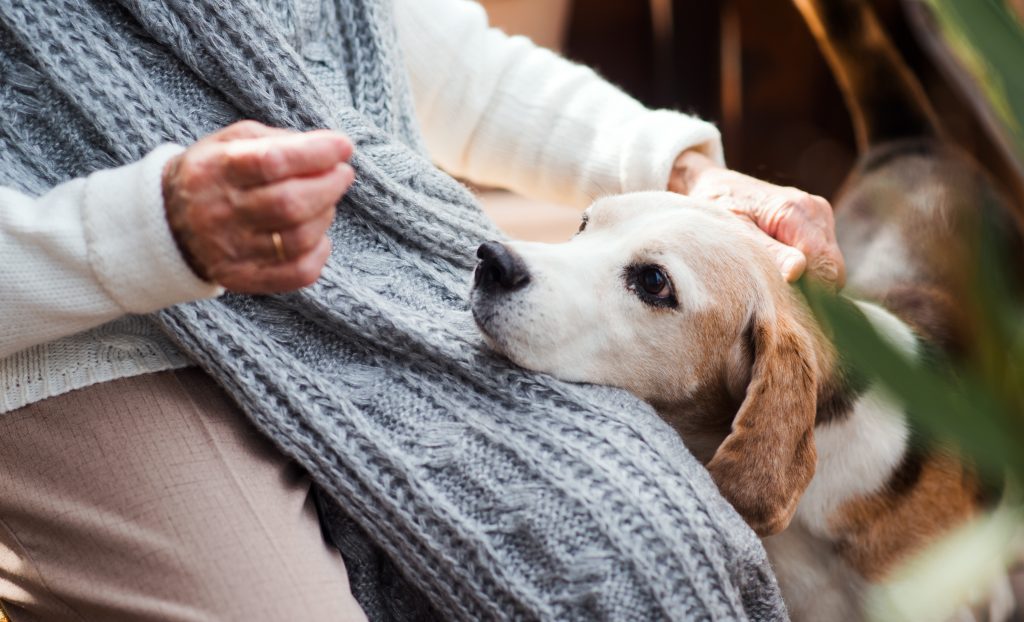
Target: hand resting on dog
x: 798, y: 228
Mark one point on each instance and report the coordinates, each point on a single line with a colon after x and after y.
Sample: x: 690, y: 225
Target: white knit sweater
x: 79, y: 265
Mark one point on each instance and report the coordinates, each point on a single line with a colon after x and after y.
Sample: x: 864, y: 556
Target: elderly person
x: 216, y: 376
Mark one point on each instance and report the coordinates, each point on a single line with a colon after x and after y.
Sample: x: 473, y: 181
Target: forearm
x: 498, y: 110
x: 89, y: 251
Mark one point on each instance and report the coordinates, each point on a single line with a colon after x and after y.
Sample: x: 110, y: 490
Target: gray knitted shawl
x: 456, y: 485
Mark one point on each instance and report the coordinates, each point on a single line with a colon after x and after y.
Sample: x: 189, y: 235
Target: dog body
x: 732, y: 359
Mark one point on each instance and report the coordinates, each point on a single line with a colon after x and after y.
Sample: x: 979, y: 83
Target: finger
x: 253, y: 277
x: 806, y: 223
x: 247, y: 129
x: 824, y: 259
x: 827, y: 266
x: 260, y: 161
x: 790, y: 261
x: 841, y: 263
x: 295, y: 242
x: 290, y: 203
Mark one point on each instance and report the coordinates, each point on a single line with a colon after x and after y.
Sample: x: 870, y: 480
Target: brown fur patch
x: 878, y: 531
x: 705, y: 420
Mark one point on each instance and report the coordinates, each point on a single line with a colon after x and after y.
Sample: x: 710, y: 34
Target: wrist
x: 175, y: 215
x: 687, y: 170
x: 131, y: 250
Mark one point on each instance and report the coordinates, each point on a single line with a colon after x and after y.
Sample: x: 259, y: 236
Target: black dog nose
x: 499, y: 268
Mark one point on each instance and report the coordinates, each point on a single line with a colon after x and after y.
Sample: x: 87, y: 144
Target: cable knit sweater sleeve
x: 87, y: 252
x: 499, y: 110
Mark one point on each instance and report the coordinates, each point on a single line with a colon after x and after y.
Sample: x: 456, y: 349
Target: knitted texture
x: 456, y: 485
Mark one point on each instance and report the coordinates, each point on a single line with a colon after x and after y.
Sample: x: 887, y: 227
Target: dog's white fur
x: 857, y: 455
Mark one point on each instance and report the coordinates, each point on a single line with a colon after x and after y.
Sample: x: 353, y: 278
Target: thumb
x: 790, y: 261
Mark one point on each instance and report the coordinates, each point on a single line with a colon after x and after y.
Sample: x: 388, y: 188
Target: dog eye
x: 652, y: 285
x: 654, y: 282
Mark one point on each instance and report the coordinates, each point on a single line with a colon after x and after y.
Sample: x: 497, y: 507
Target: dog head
x: 674, y: 301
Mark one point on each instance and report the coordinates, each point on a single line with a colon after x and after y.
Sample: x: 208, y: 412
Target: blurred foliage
x: 975, y: 405
x: 987, y: 36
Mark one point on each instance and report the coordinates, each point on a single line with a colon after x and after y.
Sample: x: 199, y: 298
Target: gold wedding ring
x: 279, y: 246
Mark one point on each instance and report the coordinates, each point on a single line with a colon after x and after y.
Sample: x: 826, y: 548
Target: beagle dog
x: 679, y: 303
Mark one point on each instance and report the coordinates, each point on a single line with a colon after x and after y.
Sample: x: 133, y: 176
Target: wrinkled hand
x: 799, y: 226
x: 228, y: 194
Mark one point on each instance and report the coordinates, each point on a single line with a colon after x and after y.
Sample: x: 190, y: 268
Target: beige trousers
x: 152, y: 498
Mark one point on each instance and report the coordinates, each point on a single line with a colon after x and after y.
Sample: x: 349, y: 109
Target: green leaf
x: 988, y: 40
x: 953, y: 406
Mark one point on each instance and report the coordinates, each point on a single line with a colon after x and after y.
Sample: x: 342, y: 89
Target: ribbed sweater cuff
x: 654, y: 142
x: 131, y: 249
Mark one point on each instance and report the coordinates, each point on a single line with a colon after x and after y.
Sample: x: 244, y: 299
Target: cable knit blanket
x: 456, y: 485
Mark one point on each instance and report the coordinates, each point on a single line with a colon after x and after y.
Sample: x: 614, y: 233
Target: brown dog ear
x: 768, y: 458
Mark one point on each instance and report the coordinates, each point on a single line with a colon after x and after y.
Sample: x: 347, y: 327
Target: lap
x: 152, y: 498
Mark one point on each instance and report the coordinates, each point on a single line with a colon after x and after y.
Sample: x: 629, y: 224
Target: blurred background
x: 751, y: 67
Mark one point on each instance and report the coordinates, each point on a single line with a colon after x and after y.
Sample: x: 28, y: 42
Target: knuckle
x: 800, y: 199
x: 247, y: 126
x: 806, y: 207
x: 242, y: 161
x: 286, y: 205
x: 236, y: 199
x: 816, y: 204
x: 826, y: 269
x: 271, y: 163
x: 790, y: 201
